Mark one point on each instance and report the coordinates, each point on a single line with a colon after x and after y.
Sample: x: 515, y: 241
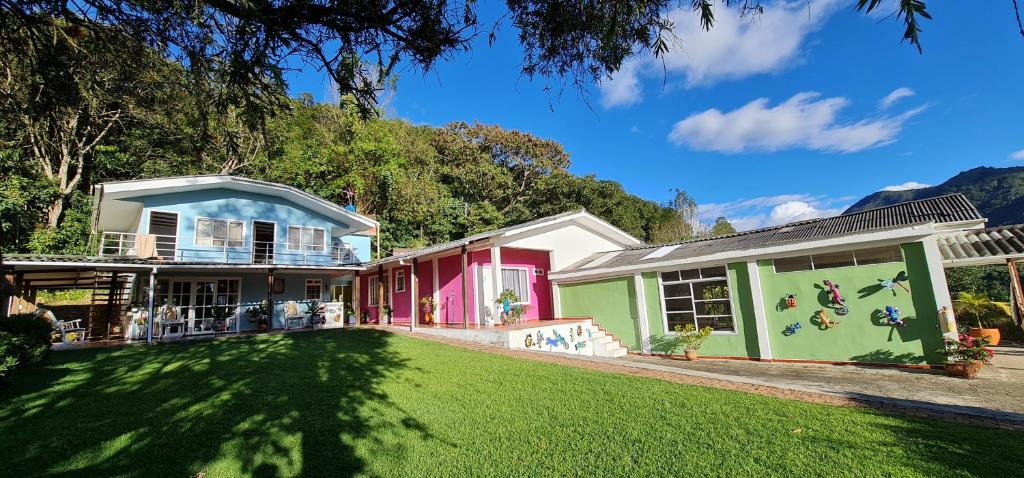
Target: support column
x: 380, y: 295
x: 496, y: 280
x: 436, y: 292
x: 940, y: 289
x: 1016, y: 292
x: 414, y: 293
x: 270, y: 300
x: 556, y: 301
x: 465, y: 304
x: 641, y: 313
x: 151, y: 310
x: 764, y: 345
x: 356, y: 303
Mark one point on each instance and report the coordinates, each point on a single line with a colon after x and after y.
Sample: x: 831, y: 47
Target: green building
x: 751, y: 287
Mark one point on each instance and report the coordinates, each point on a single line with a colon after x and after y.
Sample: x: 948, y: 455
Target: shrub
x: 36, y: 328
x: 24, y: 339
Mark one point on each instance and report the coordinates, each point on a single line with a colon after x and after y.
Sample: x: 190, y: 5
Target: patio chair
x: 69, y: 331
x: 171, y: 326
x: 292, y: 314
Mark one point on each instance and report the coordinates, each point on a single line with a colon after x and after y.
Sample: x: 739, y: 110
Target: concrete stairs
x: 606, y: 345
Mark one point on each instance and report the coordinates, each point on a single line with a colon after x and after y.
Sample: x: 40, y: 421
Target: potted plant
x: 512, y: 311
x: 221, y: 314
x: 387, y: 314
x: 350, y: 315
x: 258, y: 315
x: 976, y: 305
x: 966, y: 355
x: 364, y: 317
x: 690, y: 339
x: 315, y: 309
x: 428, y: 307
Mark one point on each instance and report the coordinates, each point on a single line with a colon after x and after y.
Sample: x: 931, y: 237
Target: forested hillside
x: 997, y: 192
x: 92, y: 111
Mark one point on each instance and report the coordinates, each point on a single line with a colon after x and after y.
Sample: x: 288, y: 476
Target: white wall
x: 568, y: 244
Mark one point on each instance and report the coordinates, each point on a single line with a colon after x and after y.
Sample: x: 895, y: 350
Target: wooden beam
x: 270, y: 299
x: 1017, y: 291
x: 380, y: 295
x: 413, y: 288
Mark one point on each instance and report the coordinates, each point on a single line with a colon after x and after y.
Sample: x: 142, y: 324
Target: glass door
x: 211, y: 293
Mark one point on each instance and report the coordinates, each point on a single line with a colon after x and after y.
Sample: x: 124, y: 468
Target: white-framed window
x: 303, y: 238
x: 829, y: 260
x: 400, y: 281
x: 314, y: 289
x: 219, y: 232
x: 697, y: 296
x: 372, y: 290
x: 517, y: 280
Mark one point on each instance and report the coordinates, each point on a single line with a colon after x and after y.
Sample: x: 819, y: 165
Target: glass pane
x: 679, y: 305
x: 202, y: 229
x: 679, y: 318
x: 220, y: 230
x: 834, y: 259
x: 293, y: 238
x: 879, y: 255
x: 689, y: 274
x: 677, y: 290
x: 718, y: 289
x: 793, y: 264
x: 712, y: 272
x: 670, y: 276
x: 717, y: 323
x: 713, y: 308
x: 235, y: 234
x: 318, y: 239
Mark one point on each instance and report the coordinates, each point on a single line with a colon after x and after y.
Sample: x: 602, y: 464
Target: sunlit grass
x: 369, y: 403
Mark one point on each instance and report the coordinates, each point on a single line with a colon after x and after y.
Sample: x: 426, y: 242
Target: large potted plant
x: 315, y: 309
x: 690, y: 339
x: 221, y: 314
x: 257, y: 315
x: 976, y: 305
x: 428, y: 307
x: 511, y: 311
x: 966, y: 355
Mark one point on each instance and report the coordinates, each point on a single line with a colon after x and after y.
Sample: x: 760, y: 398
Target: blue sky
x: 790, y: 115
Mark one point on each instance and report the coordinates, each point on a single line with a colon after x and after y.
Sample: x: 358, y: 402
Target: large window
x: 372, y: 285
x: 301, y: 238
x: 314, y: 289
x: 219, y: 232
x: 699, y: 297
x: 859, y: 257
x: 518, y: 281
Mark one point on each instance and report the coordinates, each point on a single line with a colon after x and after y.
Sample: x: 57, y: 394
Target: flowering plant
x: 966, y: 349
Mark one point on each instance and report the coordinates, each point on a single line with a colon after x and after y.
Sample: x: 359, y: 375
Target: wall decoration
x: 892, y: 314
x: 528, y: 342
x: 579, y: 330
x: 552, y: 341
x: 278, y: 287
x: 791, y: 301
x: 791, y: 329
x: 572, y: 335
x: 824, y: 323
x: 837, y: 300
x: 580, y: 345
x: 890, y: 284
x: 540, y: 339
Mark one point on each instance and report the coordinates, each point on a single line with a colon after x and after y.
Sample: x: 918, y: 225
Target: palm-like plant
x: 972, y: 304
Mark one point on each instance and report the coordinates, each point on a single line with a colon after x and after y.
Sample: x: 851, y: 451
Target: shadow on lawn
x: 286, y: 404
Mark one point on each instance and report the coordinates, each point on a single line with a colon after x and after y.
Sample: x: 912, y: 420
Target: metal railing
x: 228, y: 251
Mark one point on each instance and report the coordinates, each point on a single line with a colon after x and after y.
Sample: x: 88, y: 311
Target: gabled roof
x: 620, y: 236
x: 952, y: 208
x: 994, y: 245
x: 128, y: 189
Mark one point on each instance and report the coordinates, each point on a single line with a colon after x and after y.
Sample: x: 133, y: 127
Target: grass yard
x: 365, y: 402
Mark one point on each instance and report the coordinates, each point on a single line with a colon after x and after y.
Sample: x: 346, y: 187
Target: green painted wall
x: 743, y: 343
x: 862, y: 335
x: 611, y: 303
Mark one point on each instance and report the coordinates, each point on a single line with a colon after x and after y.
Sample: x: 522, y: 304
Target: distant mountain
x: 997, y: 192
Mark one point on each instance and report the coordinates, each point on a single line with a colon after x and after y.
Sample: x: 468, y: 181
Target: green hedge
x: 24, y: 339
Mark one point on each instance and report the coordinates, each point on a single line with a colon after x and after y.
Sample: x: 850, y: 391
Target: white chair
x: 292, y: 314
x: 69, y: 331
x: 171, y: 325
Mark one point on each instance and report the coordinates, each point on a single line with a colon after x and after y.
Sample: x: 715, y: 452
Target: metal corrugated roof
x: 994, y: 245
x: 950, y: 208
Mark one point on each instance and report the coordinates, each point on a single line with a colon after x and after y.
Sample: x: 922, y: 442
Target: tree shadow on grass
x: 272, y: 405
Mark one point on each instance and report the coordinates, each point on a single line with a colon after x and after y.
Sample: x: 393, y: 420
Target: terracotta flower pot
x: 967, y: 369
x: 991, y: 334
x: 691, y: 355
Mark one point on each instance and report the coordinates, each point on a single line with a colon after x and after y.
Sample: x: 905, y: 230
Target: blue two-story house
x: 211, y: 241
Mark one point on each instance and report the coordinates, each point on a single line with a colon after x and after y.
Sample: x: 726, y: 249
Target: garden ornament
x: 791, y: 329
x: 529, y: 341
x: 890, y: 284
x: 837, y: 300
x: 826, y: 323
x: 892, y: 314
x: 791, y: 301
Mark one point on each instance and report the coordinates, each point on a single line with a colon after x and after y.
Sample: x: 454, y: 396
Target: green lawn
x: 366, y: 402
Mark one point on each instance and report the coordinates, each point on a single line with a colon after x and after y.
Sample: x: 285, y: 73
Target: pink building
x: 463, y: 278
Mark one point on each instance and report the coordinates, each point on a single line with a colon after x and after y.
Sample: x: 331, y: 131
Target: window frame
x: 227, y: 231
x: 319, y: 283
x: 853, y: 252
x: 399, y: 279
x: 731, y: 300
x: 372, y: 286
x: 301, y: 247
x: 526, y: 274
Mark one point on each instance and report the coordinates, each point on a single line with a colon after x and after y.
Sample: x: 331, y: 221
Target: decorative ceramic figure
x: 529, y: 341
x: 791, y: 301
x: 826, y: 323
x: 892, y: 314
x: 837, y: 300
x: 791, y: 329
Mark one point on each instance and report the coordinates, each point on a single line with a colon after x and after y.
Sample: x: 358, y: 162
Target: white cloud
x: 764, y: 211
x: 1018, y: 155
x: 906, y: 186
x: 736, y: 47
x: 896, y: 95
x: 801, y: 122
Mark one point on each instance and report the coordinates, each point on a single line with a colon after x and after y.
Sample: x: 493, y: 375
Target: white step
x: 619, y: 352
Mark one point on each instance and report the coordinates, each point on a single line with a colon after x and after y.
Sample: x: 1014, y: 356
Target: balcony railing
x: 181, y: 248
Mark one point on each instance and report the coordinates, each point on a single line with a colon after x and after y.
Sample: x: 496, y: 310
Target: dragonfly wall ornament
x: 890, y: 284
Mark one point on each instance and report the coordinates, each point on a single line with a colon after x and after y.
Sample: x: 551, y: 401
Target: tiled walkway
x: 996, y: 398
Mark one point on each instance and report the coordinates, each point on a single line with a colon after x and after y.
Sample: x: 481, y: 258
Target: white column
x: 436, y: 292
x: 413, y: 292
x: 641, y: 313
x: 152, y: 298
x: 760, y: 313
x: 496, y: 271
x: 937, y: 274
x: 556, y: 301
x: 355, y: 298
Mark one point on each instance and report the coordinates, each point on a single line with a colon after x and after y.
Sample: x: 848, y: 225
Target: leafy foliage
x: 24, y: 339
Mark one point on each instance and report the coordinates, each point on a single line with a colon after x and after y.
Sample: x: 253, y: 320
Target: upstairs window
x: 858, y: 257
x: 219, y: 232
x: 301, y: 238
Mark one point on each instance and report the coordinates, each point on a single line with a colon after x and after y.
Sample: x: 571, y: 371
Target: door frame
x: 177, y: 225
x: 189, y: 328
x: 269, y: 257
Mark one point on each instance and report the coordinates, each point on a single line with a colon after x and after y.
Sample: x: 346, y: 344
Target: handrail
x: 228, y: 250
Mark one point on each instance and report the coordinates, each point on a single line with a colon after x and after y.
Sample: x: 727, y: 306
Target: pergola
x: 991, y: 246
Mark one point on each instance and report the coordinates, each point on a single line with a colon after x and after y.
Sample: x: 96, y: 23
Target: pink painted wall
x: 540, y: 286
x: 401, y: 301
x: 425, y: 285
x: 364, y: 295
x: 450, y: 290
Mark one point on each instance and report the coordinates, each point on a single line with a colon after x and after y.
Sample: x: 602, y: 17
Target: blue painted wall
x: 224, y: 203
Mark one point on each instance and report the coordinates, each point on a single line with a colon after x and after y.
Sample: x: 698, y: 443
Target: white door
x: 485, y: 296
